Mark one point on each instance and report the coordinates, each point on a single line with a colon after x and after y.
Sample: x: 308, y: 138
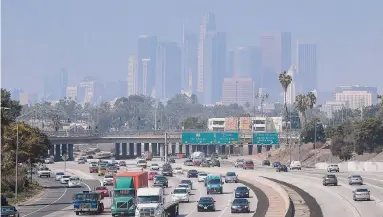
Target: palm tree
x: 311, y: 100
x: 301, y: 105
x: 285, y: 80
x: 381, y: 99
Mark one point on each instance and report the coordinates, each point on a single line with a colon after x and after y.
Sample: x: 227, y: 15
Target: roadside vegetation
x: 33, y: 147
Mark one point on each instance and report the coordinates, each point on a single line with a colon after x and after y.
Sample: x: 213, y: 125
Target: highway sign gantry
x: 209, y: 138
x: 267, y: 138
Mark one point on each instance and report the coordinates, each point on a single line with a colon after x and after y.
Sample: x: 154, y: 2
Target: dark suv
x: 330, y: 179
x: 192, y: 174
x: 242, y: 192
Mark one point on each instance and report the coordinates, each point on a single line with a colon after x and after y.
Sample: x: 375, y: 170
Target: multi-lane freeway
x: 333, y: 200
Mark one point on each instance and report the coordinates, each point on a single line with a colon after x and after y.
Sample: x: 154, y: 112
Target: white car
x: 239, y: 163
x: 202, y: 177
x: 181, y: 194
x: 187, y: 186
x: 74, y: 182
x: 295, y: 165
x: 333, y: 168
x: 178, y: 170
x: 59, y: 175
x: 64, y: 179
x: 155, y: 167
x: 108, y: 180
x: 49, y: 161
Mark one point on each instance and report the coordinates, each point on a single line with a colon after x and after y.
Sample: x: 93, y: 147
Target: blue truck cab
x: 214, y: 184
x: 88, y: 202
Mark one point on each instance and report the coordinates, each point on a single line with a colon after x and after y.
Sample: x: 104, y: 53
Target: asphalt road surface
x: 223, y: 201
x: 54, y: 198
x: 333, y: 200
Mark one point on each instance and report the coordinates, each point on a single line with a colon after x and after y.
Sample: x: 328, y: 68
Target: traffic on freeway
x: 196, y: 196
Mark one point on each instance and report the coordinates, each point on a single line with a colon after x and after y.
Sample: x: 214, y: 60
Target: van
x: 295, y: 165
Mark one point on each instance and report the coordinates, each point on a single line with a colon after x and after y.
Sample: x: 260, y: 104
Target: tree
x: 285, y: 80
x: 10, y: 109
x: 313, y: 131
x: 301, y: 105
x: 381, y: 99
x: 194, y: 123
x: 369, y: 134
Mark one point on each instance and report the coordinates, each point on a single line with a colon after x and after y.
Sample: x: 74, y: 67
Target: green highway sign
x: 205, y: 138
x: 269, y: 138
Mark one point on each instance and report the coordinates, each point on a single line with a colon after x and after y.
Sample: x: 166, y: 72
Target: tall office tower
x: 290, y: 94
x: 240, y: 62
x: 169, y: 70
x: 207, y: 30
x: 15, y: 94
x: 307, y: 78
x: 255, y: 65
x: 237, y: 91
x: 132, y: 75
x: 55, y: 85
x: 219, y: 56
x: 72, y: 93
x: 189, y: 62
x: 92, y: 90
x: 276, y: 57
x: 147, y: 50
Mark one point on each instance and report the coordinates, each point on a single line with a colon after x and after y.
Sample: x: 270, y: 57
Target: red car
x: 196, y: 163
x: 249, y: 164
x: 103, y: 190
x: 152, y: 175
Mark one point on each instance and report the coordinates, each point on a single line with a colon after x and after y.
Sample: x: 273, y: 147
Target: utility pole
x: 315, y: 143
x: 166, y: 148
x: 17, y: 160
x: 262, y: 97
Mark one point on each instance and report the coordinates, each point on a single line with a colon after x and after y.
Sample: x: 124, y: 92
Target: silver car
x: 355, y: 179
x: 231, y: 177
x: 361, y: 194
x: 330, y: 179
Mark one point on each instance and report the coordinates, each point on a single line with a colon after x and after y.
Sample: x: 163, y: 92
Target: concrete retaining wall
x: 368, y: 166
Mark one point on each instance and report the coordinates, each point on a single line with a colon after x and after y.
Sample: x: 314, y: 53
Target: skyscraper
x: 55, y: 85
x: 207, y: 30
x: 307, y: 78
x: 189, y: 62
x: 276, y: 57
x: 132, y: 75
x: 240, y: 62
x: 147, y: 51
x: 219, y: 55
x: 169, y: 70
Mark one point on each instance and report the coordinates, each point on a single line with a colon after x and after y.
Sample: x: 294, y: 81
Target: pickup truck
x: 44, y: 172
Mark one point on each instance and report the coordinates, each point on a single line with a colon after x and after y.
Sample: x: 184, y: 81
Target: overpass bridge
x: 132, y: 143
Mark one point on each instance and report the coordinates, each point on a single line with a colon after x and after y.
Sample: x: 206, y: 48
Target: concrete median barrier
x: 355, y: 166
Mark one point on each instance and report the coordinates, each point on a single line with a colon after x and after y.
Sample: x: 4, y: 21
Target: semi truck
x: 151, y: 202
x: 214, y: 184
x: 124, y: 194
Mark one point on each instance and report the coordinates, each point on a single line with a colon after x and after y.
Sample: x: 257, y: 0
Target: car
x: 187, y: 181
x: 152, y: 174
x: 361, y: 194
x: 330, y: 179
x: 192, y: 174
x: 240, y: 205
x: 196, y: 162
x: 167, y: 170
x: 223, y: 157
x: 239, y: 163
x: 172, y: 160
x: 74, y: 182
x: 333, y: 168
x: 122, y: 163
x: 188, y: 162
x: 161, y: 180
x: 231, y: 177
x: 181, y: 194
x: 202, y: 177
x: 276, y: 164
x: 184, y: 185
x: 215, y: 163
x: 178, y: 170
x: 242, y: 192
x: 265, y: 163
x: 64, y: 179
x: 248, y: 165
x: 81, y: 161
x: 295, y: 165
x: 205, y: 204
x: 93, y: 168
x: 59, y: 175
x: 9, y: 211
x: 102, y: 190
x: 154, y: 167
x: 108, y: 180
x: 49, y: 161
x: 282, y: 168
x: 355, y: 179
x: 205, y: 164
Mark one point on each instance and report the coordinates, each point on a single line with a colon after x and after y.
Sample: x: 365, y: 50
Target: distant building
x: 355, y: 99
x: 237, y: 91
x: 189, y: 62
x: 307, y: 76
x: 72, y: 93
x: 372, y: 90
x: 246, y: 124
x: 92, y: 91
x: 333, y: 106
x: 147, y: 54
x: 216, y: 124
x: 132, y: 75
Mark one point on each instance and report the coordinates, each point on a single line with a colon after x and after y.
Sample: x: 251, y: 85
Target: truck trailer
x: 124, y: 194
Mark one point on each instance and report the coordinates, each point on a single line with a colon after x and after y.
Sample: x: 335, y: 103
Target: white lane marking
x: 66, y: 189
x: 87, y: 186
x: 224, y: 209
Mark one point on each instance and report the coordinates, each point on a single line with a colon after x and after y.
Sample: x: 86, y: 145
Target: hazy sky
x: 95, y: 37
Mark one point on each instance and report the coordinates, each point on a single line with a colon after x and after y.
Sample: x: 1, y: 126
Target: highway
x: 333, y: 200
x: 186, y: 209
